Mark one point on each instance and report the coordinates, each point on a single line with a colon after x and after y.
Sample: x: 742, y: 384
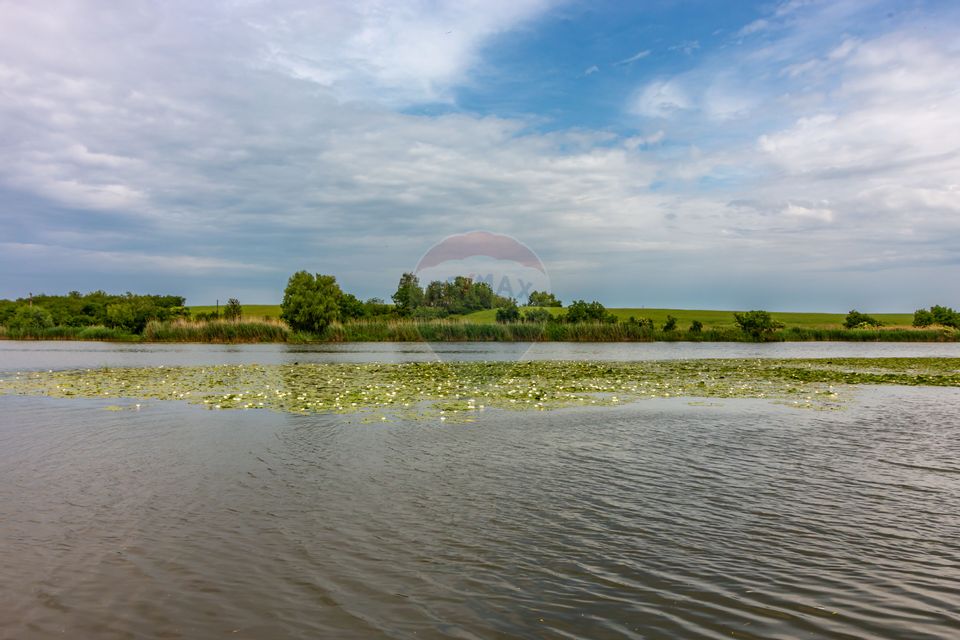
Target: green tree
x: 7, y: 309
x: 409, y: 295
x: 670, y: 324
x: 856, y: 319
x: 233, y: 310
x: 759, y: 325
x: 580, y: 311
x: 30, y: 317
x: 936, y: 315
x: 131, y: 311
x: 509, y: 313
x: 310, y: 303
x: 945, y: 316
x: 696, y: 326
x: 350, y: 307
x: 543, y: 299
x: 122, y: 315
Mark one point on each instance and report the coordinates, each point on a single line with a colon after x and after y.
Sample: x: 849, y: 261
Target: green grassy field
x: 722, y: 319
x: 249, y: 310
x: 709, y: 317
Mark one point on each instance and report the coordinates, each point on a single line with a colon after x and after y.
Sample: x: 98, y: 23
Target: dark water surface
x: 661, y: 519
x: 23, y: 355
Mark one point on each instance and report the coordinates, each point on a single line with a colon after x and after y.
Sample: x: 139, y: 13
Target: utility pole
x: 31, y: 298
x: 218, y: 307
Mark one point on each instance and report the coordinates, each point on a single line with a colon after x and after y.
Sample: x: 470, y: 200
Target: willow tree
x: 311, y: 303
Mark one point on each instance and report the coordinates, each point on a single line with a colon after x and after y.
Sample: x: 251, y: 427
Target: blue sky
x: 791, y: 155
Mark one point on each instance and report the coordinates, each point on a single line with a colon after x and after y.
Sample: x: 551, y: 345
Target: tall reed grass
x: 274, y: 330
x: 217, y: 331
x: 878, y: 334
x: 453, y: 330
x: 96, y: 332
x: 459, y: 331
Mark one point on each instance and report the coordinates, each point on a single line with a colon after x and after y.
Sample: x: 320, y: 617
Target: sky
x: 793, y: 155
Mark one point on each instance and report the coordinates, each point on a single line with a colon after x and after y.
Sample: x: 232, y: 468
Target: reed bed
x: 878, y: 334
x: 96, y: 332
x: 447, y: 330
x: 217, y: 331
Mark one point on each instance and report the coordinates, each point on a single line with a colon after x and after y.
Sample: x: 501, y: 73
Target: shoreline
x: 134, y: 339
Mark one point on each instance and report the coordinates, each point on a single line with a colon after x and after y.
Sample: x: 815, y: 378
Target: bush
x: 922, y: 318
x: 696, y: 326
x: 937, y: 314
x: 945, y: 316
x: 537, y: 315
x: 429, y: 313
x: 580, y: 311
x: 233, y: 310
x: 310, y: 303
x: 510, y: 313
x: 759, y: 325
x: 855, y: 319
x: 375, y: 307
x: 643, y: 324
x: 670, y: 324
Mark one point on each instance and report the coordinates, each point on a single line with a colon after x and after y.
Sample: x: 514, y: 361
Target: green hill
x: 709, y: 317
x: 249, y: 310
x: 714, y: 318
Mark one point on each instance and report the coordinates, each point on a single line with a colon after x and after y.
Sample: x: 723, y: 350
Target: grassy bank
x: 718, y: 319
x: 711, y: 318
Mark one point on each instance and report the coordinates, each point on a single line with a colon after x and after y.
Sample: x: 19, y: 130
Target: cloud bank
x: 213, y: 149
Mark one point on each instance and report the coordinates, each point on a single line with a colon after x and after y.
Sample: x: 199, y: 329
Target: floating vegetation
x: 461, y: 389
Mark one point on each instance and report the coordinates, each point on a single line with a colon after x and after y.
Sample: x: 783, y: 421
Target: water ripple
x: 657, y: 520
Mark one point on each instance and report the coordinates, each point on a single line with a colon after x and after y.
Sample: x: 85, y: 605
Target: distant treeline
x: 441, y: 299
x: 127, y: 312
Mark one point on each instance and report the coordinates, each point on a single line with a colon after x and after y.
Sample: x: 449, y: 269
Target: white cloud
x: 687, y: 46
x: 639, y: 55
x: 635, y: 142
x: 395, y: 51
x: 661, y: 99
x: 759, y: 24
x: 843, y: 49
x: 725, y: 100
x: 805, y: 212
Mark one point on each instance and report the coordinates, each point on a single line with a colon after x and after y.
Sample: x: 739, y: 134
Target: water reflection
x: 23, y: 355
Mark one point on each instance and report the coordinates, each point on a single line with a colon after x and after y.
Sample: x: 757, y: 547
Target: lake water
x: 17, y: 355
x: 661, y: 519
